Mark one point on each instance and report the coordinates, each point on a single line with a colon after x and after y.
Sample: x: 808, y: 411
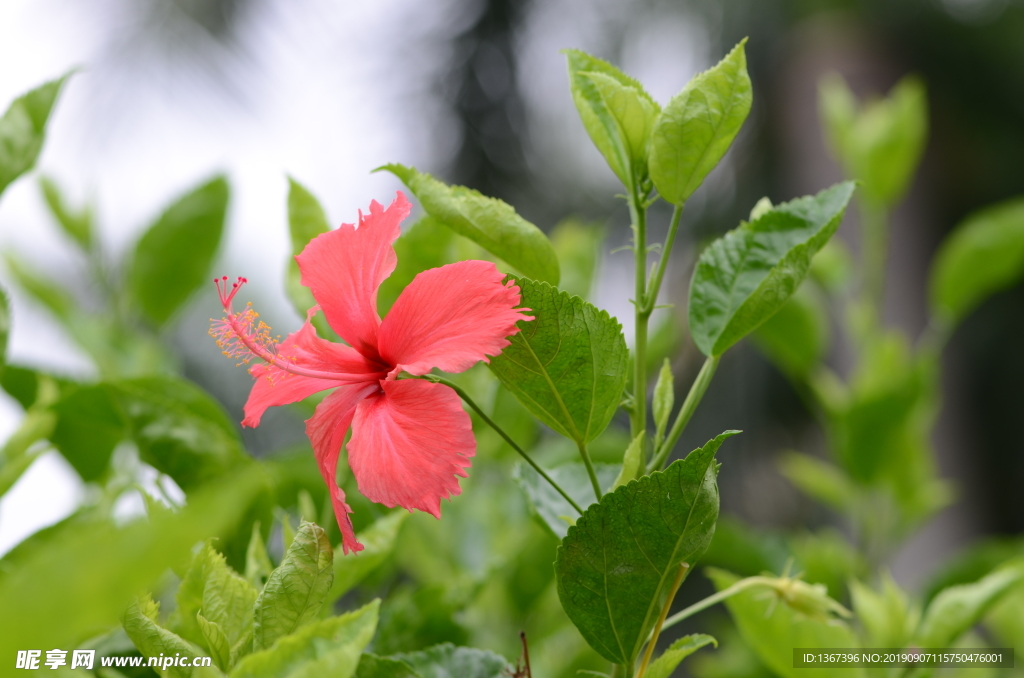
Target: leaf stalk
x: 714, y: 599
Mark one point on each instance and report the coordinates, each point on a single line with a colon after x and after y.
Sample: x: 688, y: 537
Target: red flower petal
x: 275, y: 387
x: 450, y: 318
x: 410, y: 445
x: 326, y: 430
x: 344, y: 268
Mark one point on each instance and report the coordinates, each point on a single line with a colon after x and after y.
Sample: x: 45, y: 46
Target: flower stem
x: 680, y: 575
x: 724, y: 594
x: 693, y: 398
x: 487, y: 420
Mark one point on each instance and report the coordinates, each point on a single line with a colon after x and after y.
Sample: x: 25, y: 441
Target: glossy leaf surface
x: 616, y: 112
x: 615, y: 565
x: 567, y: 365
x: 329, y: 647
x: 743, y: 278
x: 663, y: 666
x: 698, y: 125
x: 490, y: 223
x: 23, y: 130
x: 448, y: 661
x: 173, y: 258
x: 985, y: 254
x: 296, y: 590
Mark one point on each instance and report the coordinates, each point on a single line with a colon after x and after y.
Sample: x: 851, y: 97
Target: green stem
x: 638, y: 214
x: 738, y: 587
x: 487, y: 420
x: 693, y: 398
x: 659, y: 272
x: 590, y: 470
x: 680, y: 575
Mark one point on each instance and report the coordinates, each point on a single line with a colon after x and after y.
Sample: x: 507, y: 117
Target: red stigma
x: 227, y: 295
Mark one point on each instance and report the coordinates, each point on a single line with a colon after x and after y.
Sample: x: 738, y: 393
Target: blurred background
x: 170, y: 92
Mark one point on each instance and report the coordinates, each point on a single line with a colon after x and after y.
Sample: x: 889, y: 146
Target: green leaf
x: 568, y: 365
x: 228, y: 601
x: 216, y: 642
x: 632, y: 461
x: 821, y: 480
x: 698, y: 125
x: 190, y: 592
x: 882, y: 144
x: 448, y: 661
x: 330, y: 647
x: 179, y: 429
x: 90, y: 424
x: 773, y: 629
x: 664, y: 399
x: 23, y: 130
x: 616, y: 112
x: 663, y: 666
x: 297, y: 588
x: 5, y: 327
x: 1005, y: 620
x: 257, y: 561
x: 372, y: 666
x: 747, y: 275
x: 378, y: 542
x: 796, y: 337
x: 77, y: 224
x: 983, y: 255
x: 614, y: 567
x: 306, y: 220
x: 958, y: 608
x: 871, y: 433
x: 978, y: 560
x: 152, y: 640
x: 556, y: 513
x: 173, y: 257
x: 102, y: 567
x: 490, y: 223
x: 176, y: 426
x: 888, y: 617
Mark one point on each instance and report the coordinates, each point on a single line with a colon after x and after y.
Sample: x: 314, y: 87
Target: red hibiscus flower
x: 411, y: 440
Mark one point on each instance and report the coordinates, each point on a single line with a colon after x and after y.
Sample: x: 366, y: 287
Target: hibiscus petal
x: 304, y: 348
x: 410, y: 445
x: 343, y: 268
x: 326, y: 430
x: 451, y: 318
